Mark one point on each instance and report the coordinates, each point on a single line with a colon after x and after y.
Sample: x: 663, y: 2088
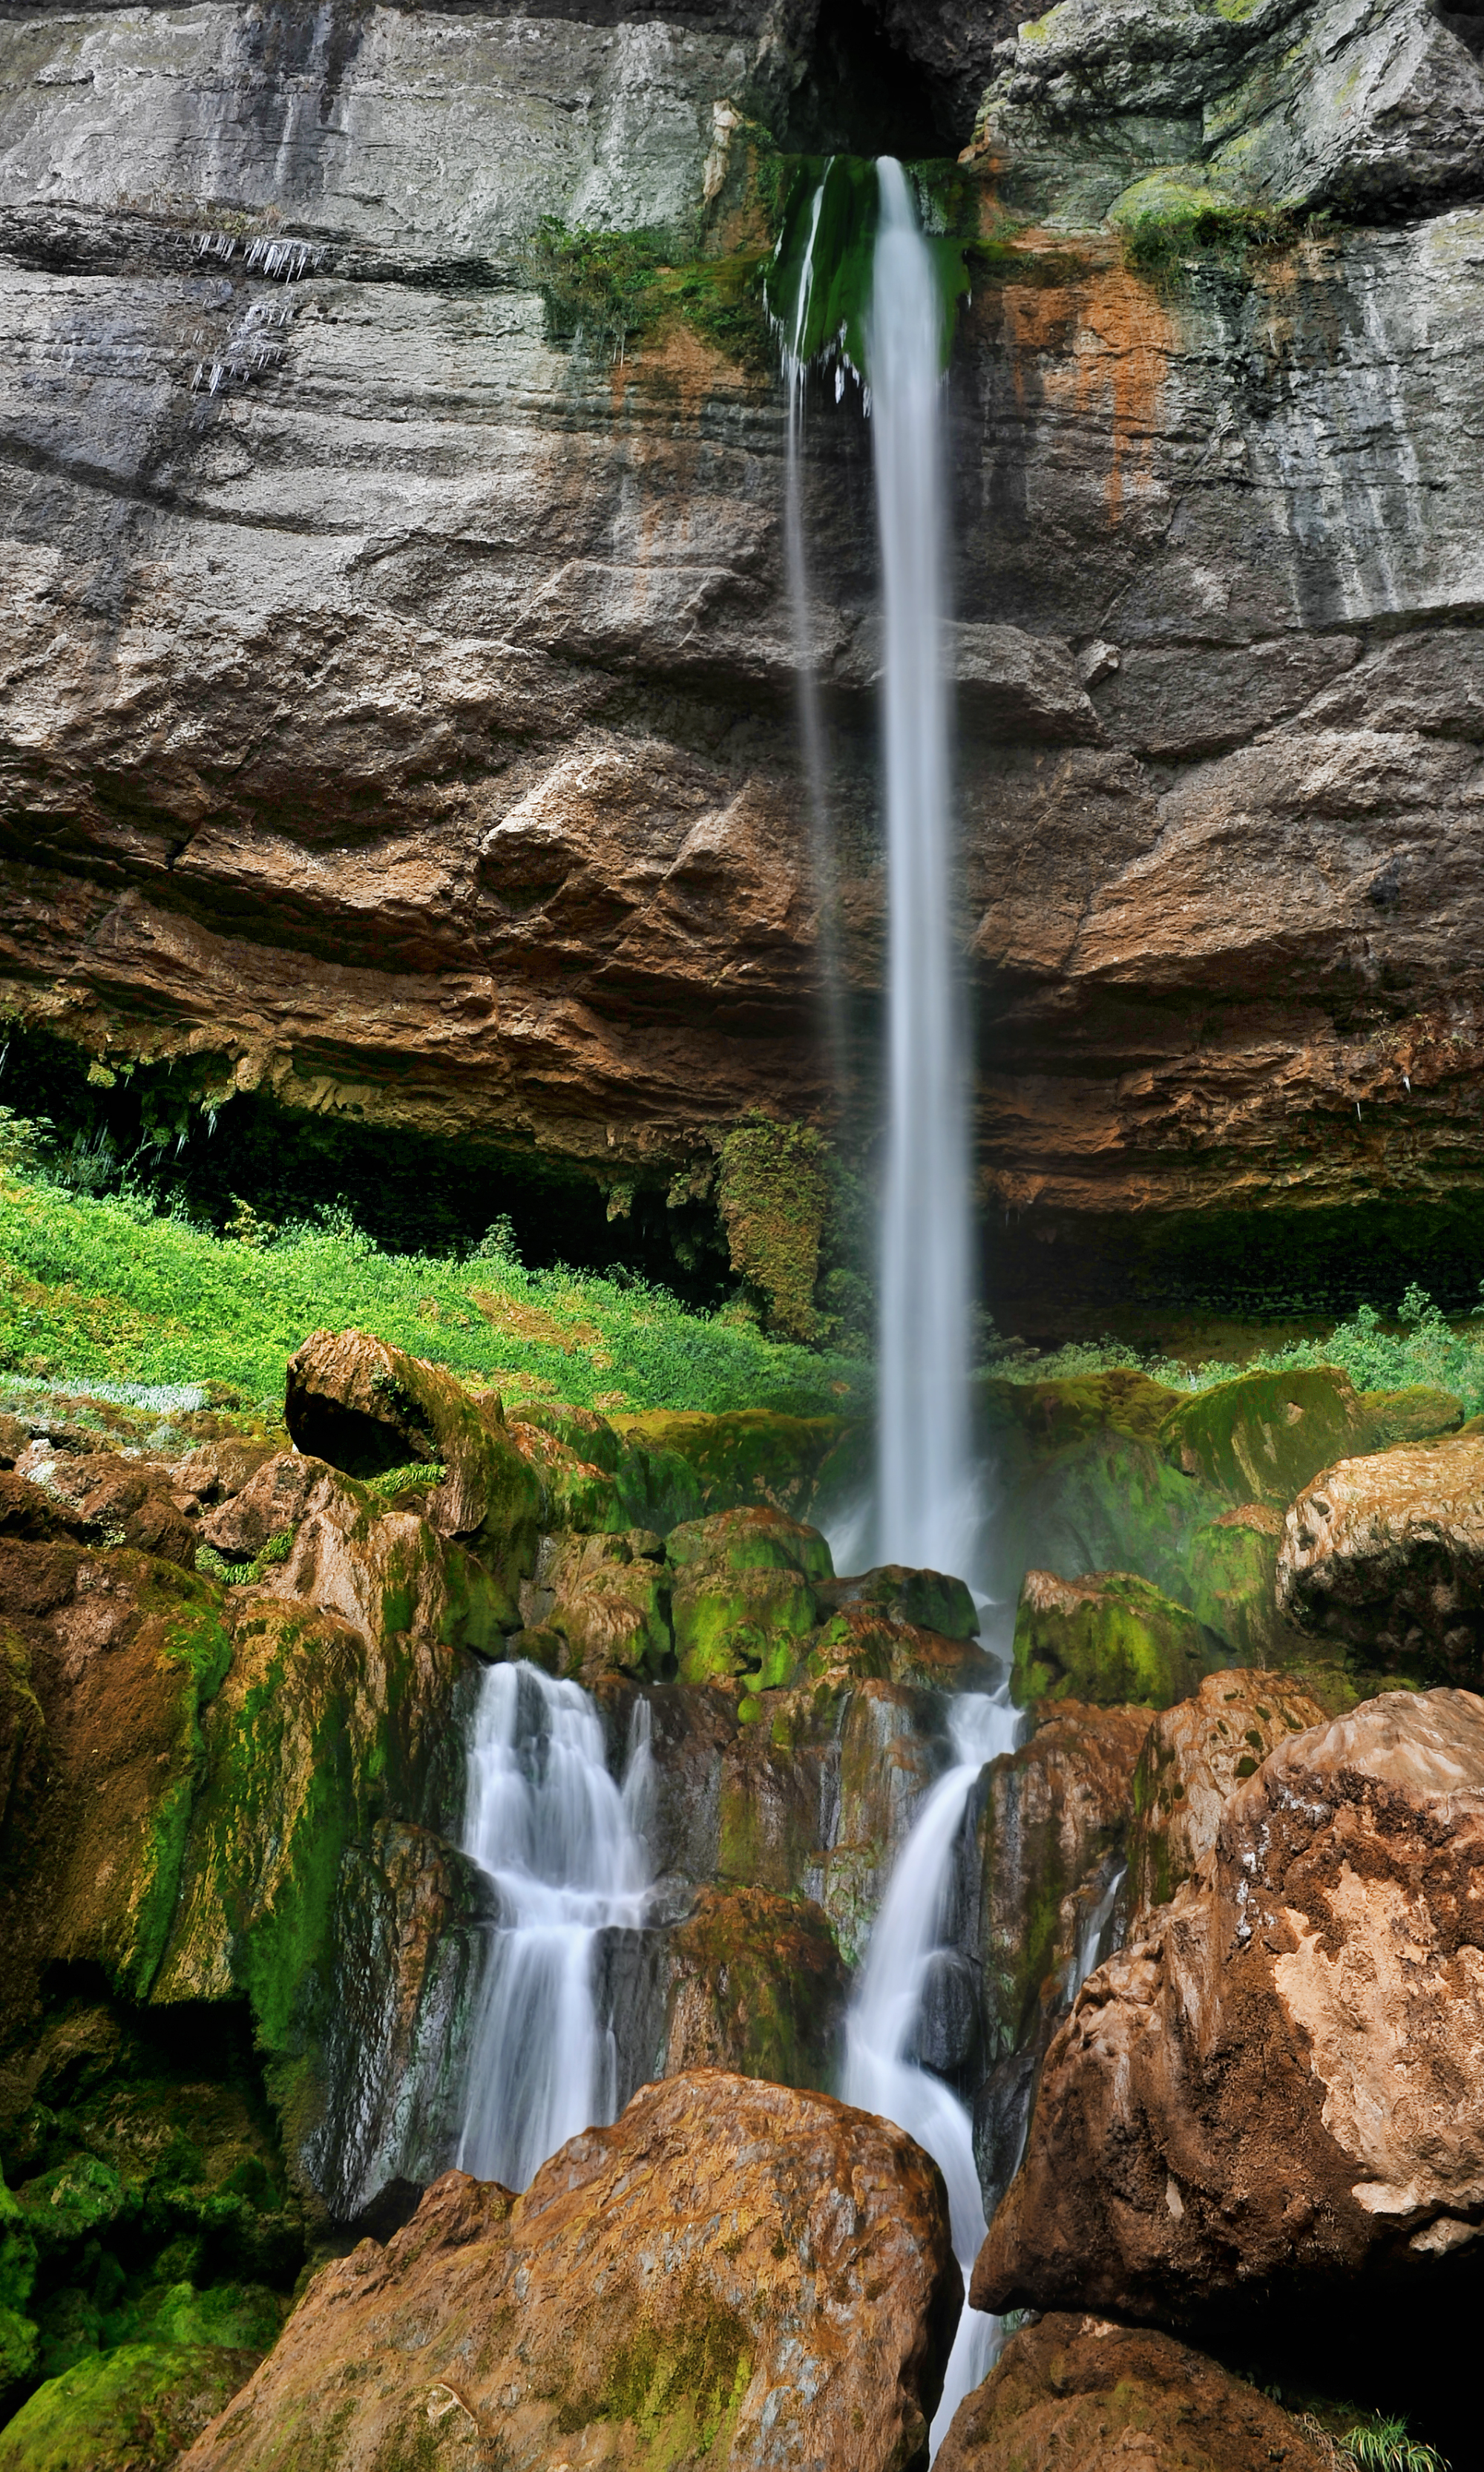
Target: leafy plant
x: 1379, y: 2445
x: 246, y: 1575
x: 399, y: 1480
x: 1161, y: 242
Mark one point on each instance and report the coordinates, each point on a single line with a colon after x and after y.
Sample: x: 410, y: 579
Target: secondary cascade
x: 564, y: 1847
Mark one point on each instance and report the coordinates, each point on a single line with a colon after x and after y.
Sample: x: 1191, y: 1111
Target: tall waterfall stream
x: 561, y: 1840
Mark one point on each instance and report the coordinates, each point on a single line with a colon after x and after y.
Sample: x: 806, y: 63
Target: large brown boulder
x: 1194, y: 1757
x: 1274, y: 2086
x: 1080, y: 2393
x: 734, y: 2275
x: 1387, y: 1554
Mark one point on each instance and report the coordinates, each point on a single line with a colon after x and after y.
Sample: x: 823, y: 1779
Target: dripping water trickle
x: 564, y: 1846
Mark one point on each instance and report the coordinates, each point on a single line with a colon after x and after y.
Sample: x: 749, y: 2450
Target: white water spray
x: 795, y: 378
x: 925, y: 1474
x: 563, y: 1846
x: 880, y: 2074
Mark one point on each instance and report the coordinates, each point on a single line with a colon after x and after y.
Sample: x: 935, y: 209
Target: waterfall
x: 925, y: 1481
x: 562, y: 1844
x: 795, y: 376
x: 880, y: 2074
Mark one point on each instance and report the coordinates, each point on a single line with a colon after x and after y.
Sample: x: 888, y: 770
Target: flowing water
x: 880, y: 2073
x: 564, y: 1847
x: 925, y: 1473
x: 795, y: 375
x: 925, y: 1512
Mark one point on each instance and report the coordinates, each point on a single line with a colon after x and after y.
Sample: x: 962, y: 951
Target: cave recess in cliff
x: 860, y: 94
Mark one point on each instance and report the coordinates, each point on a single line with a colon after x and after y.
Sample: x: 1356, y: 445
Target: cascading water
x: 564, y: 1848
x: 925, y: 1475
x: 880, y: 2074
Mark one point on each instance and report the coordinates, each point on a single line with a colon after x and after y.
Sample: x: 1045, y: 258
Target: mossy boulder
x: 1108, y: 1640
x: 1262, y: 1436
x: 367, y: 1407
x: 928, y: 1599
x: 134, y: 2408
x: 742, y: 1603
x: 386, y: 1569
x: 1194, y: 1757
x: 597, y: 1605
x: 751, y: 1455
x: 757, y: 1984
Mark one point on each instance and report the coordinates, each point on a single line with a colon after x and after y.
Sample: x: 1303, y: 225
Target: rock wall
x: 397, y: 698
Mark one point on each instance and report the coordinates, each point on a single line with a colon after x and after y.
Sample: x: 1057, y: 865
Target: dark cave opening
x: 862, y: 94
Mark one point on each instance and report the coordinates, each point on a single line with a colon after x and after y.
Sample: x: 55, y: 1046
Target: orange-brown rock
x: 1271, y: 2089
x: 1387, y: 1554
x: 735, y: 2275
x: 269, y: 1503
x: 1079, y: 2393
x: 1194, y: 1757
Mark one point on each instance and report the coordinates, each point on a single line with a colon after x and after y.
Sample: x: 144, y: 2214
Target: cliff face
x: 397, y: 698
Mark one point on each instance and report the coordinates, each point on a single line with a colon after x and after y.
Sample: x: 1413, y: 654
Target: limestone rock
x: 370, y: 1409
x: 1079, y: 2393
x: 268, y: 1505
x: 743, y: 1602
x: 1051, y: 1845
x: 410, y: 1932
x: 1194, y: 1757
x: 929, y: 1600
x: 116, y: 1501
x: 600, y: 1604
x: 1107, y: 1638
x: 1387, y: 1554
x: 1265, y: 2090
x: 756, y: 1985
x: 386, y: 1570
x: 734, y: 2273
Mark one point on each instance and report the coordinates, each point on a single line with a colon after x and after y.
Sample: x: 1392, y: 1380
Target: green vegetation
x: 820, y: 284
x: 1377, y: 2444
x: 1161, y: 242
x: 607, y: 287
x: 98, y: 1289
x: 1422, y: 1348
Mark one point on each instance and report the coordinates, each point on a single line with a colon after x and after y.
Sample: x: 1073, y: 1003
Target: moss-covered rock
x: 757, y: 1984
x: 601, y: 1605
x: 928, y: 1599
x: 315, y: 1736
x: 1262, y: 1436
x: 751, y: 1455
x: 367, y: 1407
x: 773, y: 1195
x: 134, y: 2408
x: 742, y: 1603
x: 386, y: 1570
x: 1108, y: 1640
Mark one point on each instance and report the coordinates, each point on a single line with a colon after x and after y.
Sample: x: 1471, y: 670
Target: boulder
x: 368, y: 1408
x: 599, y: 1605
x: 268, y: 1505
x: 386, y: 1570
x: 1051, y: 1835
x: 116, y: 1501
x: 133, y: 2408
x: 1386, y: 1553
x: 1267, y: 2090
x: 1262, y: 1436
x: 734, y: 2273
x: 742, y: 1603
x: 1194, y: 1757
x: 757, y: 1984
x: 928, y: 1599
x: 1080, y: 2393
x: 1107, y: 1639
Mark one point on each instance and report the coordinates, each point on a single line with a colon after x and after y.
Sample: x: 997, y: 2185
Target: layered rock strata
x: 398, y: 696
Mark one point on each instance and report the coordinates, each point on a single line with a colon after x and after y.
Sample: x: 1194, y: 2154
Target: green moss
x: 1159, y: 244
x: 819, y: 283
x: 773, y: 1194
x: 678, y: 2386
x: 680, y: 1467
x: 130, y: 2409
x: 1109, y: 1641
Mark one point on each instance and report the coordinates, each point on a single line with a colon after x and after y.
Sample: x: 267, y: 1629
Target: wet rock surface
x: 1194, y: 1759
x: 1107, y: 1638
x: 1080, y: 2392
x: 734, y: 2273
x: 1387, y: 1555
x: 1220, y: 2110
